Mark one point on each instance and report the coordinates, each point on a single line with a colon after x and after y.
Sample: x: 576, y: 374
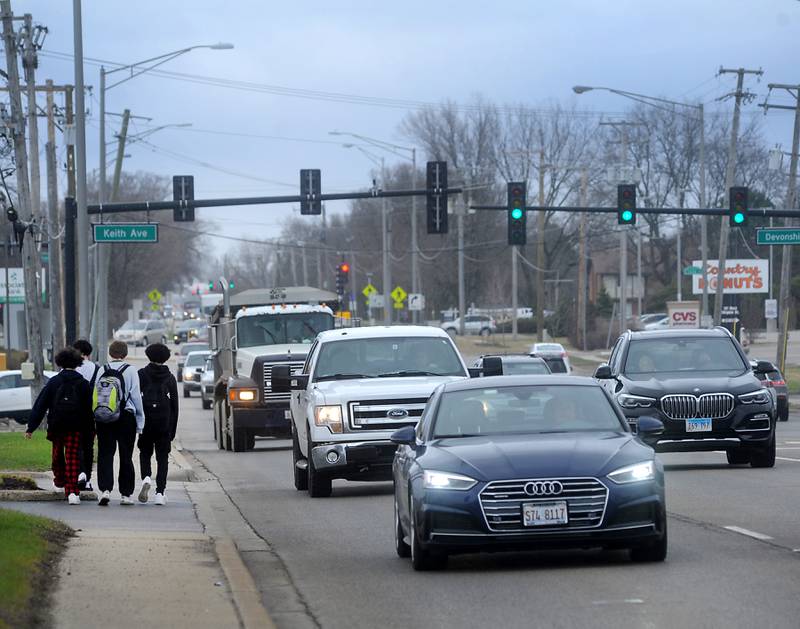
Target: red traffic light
x: 344, y: 267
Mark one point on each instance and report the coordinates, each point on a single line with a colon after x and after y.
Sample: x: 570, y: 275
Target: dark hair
x: 69, y: 358
x: 118, y: 350
x: 157, y: 353
x: 83, y: 346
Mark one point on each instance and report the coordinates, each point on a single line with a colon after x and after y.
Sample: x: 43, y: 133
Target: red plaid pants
x: 67, y: 461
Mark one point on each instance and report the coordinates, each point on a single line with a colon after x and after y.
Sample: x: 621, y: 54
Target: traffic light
x: 310, y: 191
x: 517, y: 218
x: 626, y: 204
x: 183, y: 190
x: 436, y: 197
x: 737, y: 216
x: 210, y: 285
x: 231, y: 285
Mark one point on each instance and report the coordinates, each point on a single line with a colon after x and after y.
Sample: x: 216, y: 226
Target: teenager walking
x: 66, y: 399
x: 160, y: 401
x: 118, y: 418
x: 89, y: 371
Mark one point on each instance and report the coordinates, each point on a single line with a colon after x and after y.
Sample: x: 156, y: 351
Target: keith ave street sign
x: 125, y: 232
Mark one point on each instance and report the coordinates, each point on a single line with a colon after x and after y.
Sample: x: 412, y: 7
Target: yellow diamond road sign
x: 398, y: 294
x: 368, y: 290
x: 154, y: 295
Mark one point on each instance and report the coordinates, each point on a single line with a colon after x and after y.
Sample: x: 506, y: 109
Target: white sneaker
x: 126, y: 500
x: 74, y: 499
x: 104, y: 499
x: 82, y: 481
x: 146, y: 482
x: 88, y: 486
x: 161, y: 499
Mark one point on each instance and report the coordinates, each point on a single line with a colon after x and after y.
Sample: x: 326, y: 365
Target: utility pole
x: 305, y: 263
x: 514, y: 291
x: 540, y: 220
x: 784, y: 305
x: 730, y: 173
x: 293, y: 265
x: 414, y: 252
x: 29, y: 65
x: 387, y: 280
x: 69, y: 131
x: 703, y: 201
x: 581, y: 331
x: 53, y: 229
x: 462, y: 306
x: 30, y: 256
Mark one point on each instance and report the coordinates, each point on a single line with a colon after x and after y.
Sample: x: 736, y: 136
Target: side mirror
x: 492, y: 366
x: 234, y: 344
x: 603, y: 372
x: 764, y: 366
x: 406, y: 436
x: 282, y: 380
x: 649, y: 429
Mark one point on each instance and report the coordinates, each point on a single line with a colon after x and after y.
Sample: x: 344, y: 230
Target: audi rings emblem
x: 543, y: 488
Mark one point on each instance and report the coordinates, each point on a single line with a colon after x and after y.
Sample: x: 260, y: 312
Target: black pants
x: 123, y: 433
x: 87, y: 453
x: 161, y: 443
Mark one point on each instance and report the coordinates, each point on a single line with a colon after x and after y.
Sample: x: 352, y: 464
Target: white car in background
x: 473, y: 324
x: 193, y: 370
x: 207, y: 384
x: 142, y: 332
x: 15, y: 395
x: 554, y: 355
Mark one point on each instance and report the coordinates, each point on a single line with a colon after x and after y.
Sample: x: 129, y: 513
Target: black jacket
x: 155, y: 374
x: 83, y: 422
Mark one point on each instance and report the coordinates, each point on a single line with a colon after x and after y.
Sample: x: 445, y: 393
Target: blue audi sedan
x: 526, y: 463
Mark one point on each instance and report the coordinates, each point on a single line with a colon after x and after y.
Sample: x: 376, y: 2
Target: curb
x: 45, y: 493
x: 246, y: 595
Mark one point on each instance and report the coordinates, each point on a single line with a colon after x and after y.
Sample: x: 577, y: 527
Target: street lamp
x: 135, y: 70
x: 395, y: 150
x: 653, y: 101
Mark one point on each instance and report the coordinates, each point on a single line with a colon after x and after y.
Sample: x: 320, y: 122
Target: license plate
x: 698, y: 424
x: 287, y: 415
x: 545, y: 513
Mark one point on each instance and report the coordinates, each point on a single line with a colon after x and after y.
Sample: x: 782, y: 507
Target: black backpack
x: 66, y: 405
x: 157, y: 404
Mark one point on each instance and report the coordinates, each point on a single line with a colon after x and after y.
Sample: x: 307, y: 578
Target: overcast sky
x: 525, y: 51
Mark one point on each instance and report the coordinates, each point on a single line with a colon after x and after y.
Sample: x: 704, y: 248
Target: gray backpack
x: 108, y: 398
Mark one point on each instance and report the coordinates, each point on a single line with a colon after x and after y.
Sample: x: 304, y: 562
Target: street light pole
x: 387, y: 280
x: 414, y: 253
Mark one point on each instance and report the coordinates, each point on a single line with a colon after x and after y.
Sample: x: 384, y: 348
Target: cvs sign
x: 683, y: 314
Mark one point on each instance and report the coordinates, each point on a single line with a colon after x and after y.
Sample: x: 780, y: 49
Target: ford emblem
x: 397, y: 413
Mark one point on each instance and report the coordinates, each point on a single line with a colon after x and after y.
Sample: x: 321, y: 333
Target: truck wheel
x: 319, y: 485
x: 186, y: 392
x: 206, y: 404
x: 251, y: 440
x: 300, y: 476
x: 239, y: 440
x: 224, y: 420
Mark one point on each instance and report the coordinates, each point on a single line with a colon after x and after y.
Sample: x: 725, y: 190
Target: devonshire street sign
x: 125, y: 232
x: 778, y: 236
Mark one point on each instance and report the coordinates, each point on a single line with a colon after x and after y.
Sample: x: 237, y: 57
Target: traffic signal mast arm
x: 751, y: 212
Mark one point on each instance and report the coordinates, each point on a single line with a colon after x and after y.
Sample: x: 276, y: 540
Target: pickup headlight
x: 755, y: 397
x: 446, y: 480
x: 330, y: 416
x: 626, y: 400
x: 242, y: 395
x: 634, y: 473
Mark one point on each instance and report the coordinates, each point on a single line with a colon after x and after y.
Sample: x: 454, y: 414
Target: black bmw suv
x: 700, y: 384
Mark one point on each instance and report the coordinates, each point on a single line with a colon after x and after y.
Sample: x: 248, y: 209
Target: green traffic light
x: 516, y: 213
x: 738, y: 218
x: 627, y: 216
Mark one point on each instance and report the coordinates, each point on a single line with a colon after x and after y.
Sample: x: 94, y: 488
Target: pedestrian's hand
x: 28, y: 435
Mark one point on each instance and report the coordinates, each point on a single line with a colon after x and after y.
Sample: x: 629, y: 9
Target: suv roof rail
x: 723, y: 329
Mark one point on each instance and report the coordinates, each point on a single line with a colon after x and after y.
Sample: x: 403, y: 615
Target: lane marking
x: 749, y: 533
x: 624, y: 601
x: 786, y: 458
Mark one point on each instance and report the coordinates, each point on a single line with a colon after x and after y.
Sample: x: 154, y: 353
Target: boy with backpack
x: 160, y: 401
x: 118, y: 416
x: 89, y: 371
x: 67, y: 401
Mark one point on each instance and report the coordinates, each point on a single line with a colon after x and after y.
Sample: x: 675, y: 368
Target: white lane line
x: 786, y: 458
x: 749, y: 533
x: 623, y: 601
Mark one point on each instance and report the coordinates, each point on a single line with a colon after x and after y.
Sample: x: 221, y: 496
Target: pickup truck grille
x: 385, y: 414
x: 501, y: 502
x: 713, y: 405
x: 269, y: 396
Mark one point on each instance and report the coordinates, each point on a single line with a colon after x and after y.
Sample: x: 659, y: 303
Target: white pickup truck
x: 356, y: 388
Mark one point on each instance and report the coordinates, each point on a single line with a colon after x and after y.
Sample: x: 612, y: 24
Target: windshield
x: 649, y: 356
x: 386, y: 357
x: 524, y: 410
x: 527, y: 367
x: 189, y: 325
x: 278, y: 329
x: 192, y: 347
x: 196, y: 360
x: 556, y: 365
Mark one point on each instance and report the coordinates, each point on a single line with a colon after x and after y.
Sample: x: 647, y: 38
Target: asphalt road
x: 340, y: 557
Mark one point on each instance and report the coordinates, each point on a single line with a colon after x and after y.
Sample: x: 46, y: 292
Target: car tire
x: 319, y: 485
x: 784, y: 416
x: 401, y: 547
x: 186, y: 392
x: 764, y: 457
x: 485, y: 332
x: 738, y: 457
x: 653, y: 552
x: 300, y: 475
x: 422, y: 559
x: 452, y: 332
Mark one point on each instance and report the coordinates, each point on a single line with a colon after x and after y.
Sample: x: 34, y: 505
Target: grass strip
x: 20, y: 454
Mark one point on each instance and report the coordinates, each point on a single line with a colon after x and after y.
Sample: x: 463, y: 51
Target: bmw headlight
x: 330, y: 416
x: 634, y: 473
x: 626, y: 400
x: 446, y: 480
x: 761, y: 396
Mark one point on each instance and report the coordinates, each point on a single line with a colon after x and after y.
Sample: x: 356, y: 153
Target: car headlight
x: 242, y: 395
x: 634, y: 473
x: 446, y: 480
x: 187, y: 374
x: 626, y: 400
x: 761, y: 396
x: 330, y: 416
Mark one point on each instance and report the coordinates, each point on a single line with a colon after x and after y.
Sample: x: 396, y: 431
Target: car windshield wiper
x: 342, y: 376
x: 409, y: 372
